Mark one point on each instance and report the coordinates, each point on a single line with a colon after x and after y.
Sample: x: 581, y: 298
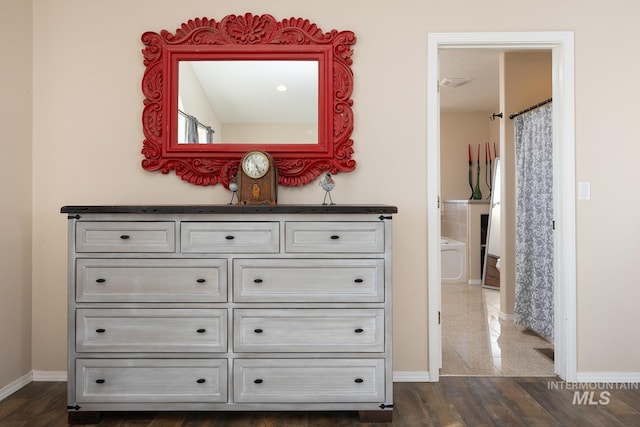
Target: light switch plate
x: 584, y: 190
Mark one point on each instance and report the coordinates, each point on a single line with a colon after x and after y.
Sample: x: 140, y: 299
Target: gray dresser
x: 232, y: 308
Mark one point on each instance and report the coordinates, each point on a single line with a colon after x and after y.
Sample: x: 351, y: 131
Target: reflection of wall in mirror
x: 194, y: 102
x: 295, y: 133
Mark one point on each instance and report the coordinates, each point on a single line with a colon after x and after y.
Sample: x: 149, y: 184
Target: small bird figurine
x: 233, y: 187
x: 327, y: 185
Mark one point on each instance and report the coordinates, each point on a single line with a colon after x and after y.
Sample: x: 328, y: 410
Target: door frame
x: 562, y: 46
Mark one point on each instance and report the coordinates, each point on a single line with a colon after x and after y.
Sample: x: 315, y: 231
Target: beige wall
x: 457, y: 131
x: 87, y: 140
x: 15, y: 190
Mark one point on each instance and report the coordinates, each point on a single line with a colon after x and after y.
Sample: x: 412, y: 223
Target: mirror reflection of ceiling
x: 247, y: 91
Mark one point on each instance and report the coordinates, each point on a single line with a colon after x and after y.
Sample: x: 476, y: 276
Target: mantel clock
x: 257, y: 179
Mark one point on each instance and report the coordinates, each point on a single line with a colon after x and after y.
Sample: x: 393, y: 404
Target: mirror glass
x: 492, y: 254
x: 245, y: 101
x: 493, y: 238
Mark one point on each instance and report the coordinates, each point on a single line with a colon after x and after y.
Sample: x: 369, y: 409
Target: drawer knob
x: 101, y: 331
x: 101, y: 280
x: 257, y: 331
x: 124, y: 237
x: 335, y: 237
x: 359, y: 280
x: 258, y: 381
x: 201, y: 331
x: 229, y: 237
x: 201, y: 280
x: 359, y: 331
x: 257, y: 280
x: 100, y: 381
x: 201, y: 381
x: 359, y: 380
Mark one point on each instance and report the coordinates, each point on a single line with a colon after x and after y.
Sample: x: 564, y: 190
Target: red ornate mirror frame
x: 246, y: 37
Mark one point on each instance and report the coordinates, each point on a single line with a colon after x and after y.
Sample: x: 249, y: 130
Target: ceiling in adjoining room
x: 482, y: 93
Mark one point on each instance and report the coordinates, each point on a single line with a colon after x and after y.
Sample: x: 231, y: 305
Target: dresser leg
x: 376, y: 416
x: 86, y: 417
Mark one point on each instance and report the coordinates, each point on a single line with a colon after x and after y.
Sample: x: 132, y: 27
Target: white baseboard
x: 582, y: 377
x: 11, y: 388
x: 411, y: 377
x: 49, y: 376
x: 608, y: 377
x: 32, y: 376
x: 505, y: 316
x: 474, y: 282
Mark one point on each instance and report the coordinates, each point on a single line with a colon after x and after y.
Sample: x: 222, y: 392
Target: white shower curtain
x: 534, y: 218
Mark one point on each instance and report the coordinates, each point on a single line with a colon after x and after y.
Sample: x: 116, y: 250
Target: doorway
x: 561, y: 45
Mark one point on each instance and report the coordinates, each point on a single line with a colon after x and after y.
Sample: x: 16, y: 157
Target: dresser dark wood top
x: 233, y: 209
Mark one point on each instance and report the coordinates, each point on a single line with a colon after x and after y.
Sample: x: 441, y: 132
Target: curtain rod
x: 533, y: 107
x: 197, y: 121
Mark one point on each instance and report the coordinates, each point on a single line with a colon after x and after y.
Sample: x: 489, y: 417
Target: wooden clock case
x: 258, y: 191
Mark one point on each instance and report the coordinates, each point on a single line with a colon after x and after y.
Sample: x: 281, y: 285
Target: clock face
x: 255, y: 164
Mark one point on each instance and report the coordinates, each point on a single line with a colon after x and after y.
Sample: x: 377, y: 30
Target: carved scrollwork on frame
x: 245, y: 37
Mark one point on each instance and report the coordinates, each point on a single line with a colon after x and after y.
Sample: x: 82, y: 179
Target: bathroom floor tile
x: 475, y: 341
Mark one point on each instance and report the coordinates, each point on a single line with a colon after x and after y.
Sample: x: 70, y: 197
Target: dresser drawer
x: 308, y: 330
x: 308, y: 280
x: 230, y: 237
x: 332, y: 237
x: 121, y: 236
x: 151, y: 330
x: 151, y: 280
x: 151, y: 380
x: 308, y: 380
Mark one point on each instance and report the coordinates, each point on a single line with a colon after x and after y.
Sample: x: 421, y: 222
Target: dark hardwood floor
x: 454, y: 401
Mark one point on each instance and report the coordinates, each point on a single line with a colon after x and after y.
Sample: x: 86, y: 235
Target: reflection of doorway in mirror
x: 195, y: 106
